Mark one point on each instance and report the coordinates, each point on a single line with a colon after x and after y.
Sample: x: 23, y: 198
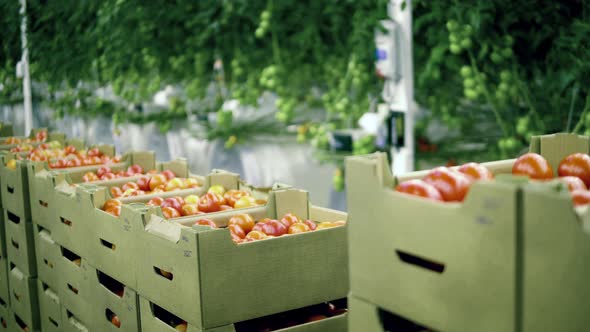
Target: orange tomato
x: 206, y: 222
x: 156, y: 201
x: 312, y: 225
x: 116, y: 321
x: 233, y: 195
x: 210, y: 202
x: 256, y: 235
x: 130, y: 185
x: 534, y: 166
x: 573, y: 183
x: 108, y: 176
x: 245, y: 221
x: 157, y: 180
x: 419, y: 188
x: 581, y: 197
x: 475, y: 172
x: 191, y: 183
x: 226, y: 207
x: 245, y: 202
x: 111, y: 203
x: 298, y: 227
x: 182, y: 327
x: 289, y: 219
x: 190, y: 210
x: 577, y: 164
x: 115, y: 210
x: 271, y: 227
x: 170, y: 212
x: 116, y: 192
x: 89, y: 177
x: 237, y: 230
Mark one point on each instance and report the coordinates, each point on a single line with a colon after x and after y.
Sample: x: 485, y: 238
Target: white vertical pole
x: 28, y: 104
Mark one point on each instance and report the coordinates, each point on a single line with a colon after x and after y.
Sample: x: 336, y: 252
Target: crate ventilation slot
x: 420, y: 262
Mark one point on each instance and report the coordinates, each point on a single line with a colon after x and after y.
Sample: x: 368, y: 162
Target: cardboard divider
x: 49, y: 308
x: 433, y: 257
x: 24, y: 301
x: 20, y: 243
x: 47, y: 254
x: 205, y: 263
x: 154, y: 319
x: 73, y: 289
x: 111, y: 298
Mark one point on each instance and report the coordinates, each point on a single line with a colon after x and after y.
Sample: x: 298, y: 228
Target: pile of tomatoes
x: 40, y: 136
x: 574, y: 170
x: 216, y: 199
x: 243, y: 228
x: 446, y: 184
x: 75, y: 158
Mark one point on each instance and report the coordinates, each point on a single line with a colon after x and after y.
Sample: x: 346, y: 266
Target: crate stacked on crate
x: 511, y: 257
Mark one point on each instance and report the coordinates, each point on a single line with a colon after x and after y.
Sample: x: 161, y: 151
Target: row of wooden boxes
x: 79, y: 268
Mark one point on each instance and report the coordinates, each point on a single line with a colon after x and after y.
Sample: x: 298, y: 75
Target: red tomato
x: 179, y: 199
x: 157, y: 180
x: 210, y: 202
x: 111, y: 203
x: 70, y: 149
x: 289, y: 219
x: 298, y: 227
x: 170, y: 212
x: 475, y: 171
x: 94, y: 152
x: 89, y: 177
x: 312, y: 225
x: 116, y: 192
x: 419, y: 188
x: 245, y: 221
x: 168, y: 174
x: 130, y: 185
x: 577, y: 164
x: 453, y: 186
x: 271, y: 227
x: 41, y: 136
x: 108, y: 176
x: 120, y: 174
x: 143, y: 183
x: 534, y: 166
x: 135, y: 169
x: 232, y: 195
x: 190, y: 210
x: 237, y: 230
x: 102, y: 170
x: 573, y: 183
x: 206, y: 222
x: 74, y: 163
x: 116, y: 321
x: 156, y: 201
x: 581, y: 197
x: 172, y: 203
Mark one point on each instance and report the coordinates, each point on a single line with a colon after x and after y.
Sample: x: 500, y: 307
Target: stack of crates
x: 513, y: 256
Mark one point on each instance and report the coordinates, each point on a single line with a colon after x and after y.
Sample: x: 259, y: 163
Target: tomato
x: 452, y: 186
x: 231, y: 196
x: 116, y: 159
x: 475, y: 171
x: 206, y: 222
x: 143, y: 183
x: 158, y: 189
x: 573, y: 183
x: 41, y: 136
x: 289, y: 219
x: 298, y: 227
x: 534, y: 166
x: 237, y: 230
x: 182, y: 327
x: 174, y: 184
x: 271, y: 227
x: 216, y: 189
x: 116, y: 192
x: 172, y: 203
x: 70, y: 149
x: 210, y: 202
x: 135, y: 169
x: 245, y: 221
x: 330, y: 224
x: 111, y: 203
x: 419, y: 188
x: 156, y: 201
x: 191, y: 183
x: 190, y: 210
x: 94, y: 152
x: 168, y: 174
x: 577, y: 164
x: 255, y: 235
x: 108, y: 176
x: 157, y: 180
x: 180, y: 200
x: 74, y: 163
x: 170, y: 212
x: 137, y: 192
x: 130, y: 185
x: 89, y: 177
x: 225, y: 207
x: 315, y: 318
x: 115, y: 210
x: 102, y: 170
x: 244, y: 202
x: 312, y: 225
x: 580, y: 197
x: 116, y: 321
x: 191, y: 199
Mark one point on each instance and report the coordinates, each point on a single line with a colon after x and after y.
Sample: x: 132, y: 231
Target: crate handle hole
x: 53, y: 322
x: 14, y: 243
x: 73, y: 289
x: 166, y: 316
x: 10, y: 189
x: 3, y: 321
x: 16, y: 296
x: 2, y: 302
x: 66, y: 221
x: 421, y: 262
x: 20, y: 323
x: 13, y: 217
x: 392, y: 322
x: 111, y: 284
x: 163, y: 273
x: 71, y: 256
x: 108, y: 244
x: 43, y: 203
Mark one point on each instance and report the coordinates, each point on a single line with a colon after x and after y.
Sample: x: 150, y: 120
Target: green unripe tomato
x: 453, y: 38
x: 508, y: 40
x: 507, y: 53
x: 467, y: 29
x: 502, y: 144
x: 522, y: 125
x: 513, y: 91
x: 259, y: 33
x: 452, y: 25
x: 264, y: 25
x: 282, y: 117
x: 505, y: 75
x: 470, y: 94
x: 503, y: 87
x: 455, y: 48
x: 265, y: 15
x: 469, y: 83
x: 466, y: 71
x: 357, y: 81
x: 466, y: 43
x: 511, y: 143
x: 501, y: 95
x: 271, y: 84
x: 496, y: 57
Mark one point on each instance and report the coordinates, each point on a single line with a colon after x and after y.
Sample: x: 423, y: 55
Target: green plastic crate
x: 49, y: 308
x: 205, y: 264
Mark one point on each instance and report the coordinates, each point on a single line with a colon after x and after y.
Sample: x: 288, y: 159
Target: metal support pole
x: 28, y: 103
